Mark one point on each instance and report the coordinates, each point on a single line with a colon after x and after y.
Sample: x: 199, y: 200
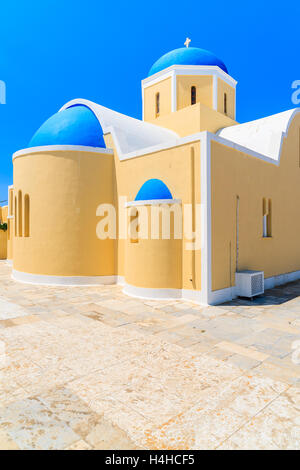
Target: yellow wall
x: 186, y: 119
x: 3, y: 233
x: 3, y: 244
x: 193, y: 119
x: 223, y: 87
x: 164, y: 88
x: 179, y: 169
x: 204, y: 90
x: 65, y: 188
x: 3, y: 214
x: 154, y: 263
x: 237, y: 174
x: 10, y: 225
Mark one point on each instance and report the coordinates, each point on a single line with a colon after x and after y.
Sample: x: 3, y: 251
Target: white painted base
x: 214, y: 298
x: 217, y: 297
x: 152, y: 294
x: 224, y: 295
x: 271, y: 282
x: 121, y: 280
x: 63, y: 280
x: 163, y: 294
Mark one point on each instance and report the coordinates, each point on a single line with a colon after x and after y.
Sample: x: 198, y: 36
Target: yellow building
x: 177, y: 205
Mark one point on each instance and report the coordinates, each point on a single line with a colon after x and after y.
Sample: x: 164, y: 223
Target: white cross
x: 187, y: 42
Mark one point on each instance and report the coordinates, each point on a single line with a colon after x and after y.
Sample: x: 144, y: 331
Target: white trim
x: 245, y: 150
x: 62, y: 280
x: 129, y: 135
x: 190, y: 70
x: 143, y: 104
x: 164, y: 294
x: 152, y: 202
x: 273, y: 281
x: 9, y: 215
x: 174, y: 70
x: 263, y: 136
x: 61, y: 148
x: 161, y: 76
x: 217, y: 297
x: 205, y: 217
x: 194, y: 296
x: 148, y: 293
x: 174, y: 92
x: 9, y: 262
x: 173, y: 140
x: 121, y: 280
x: 156, y: 148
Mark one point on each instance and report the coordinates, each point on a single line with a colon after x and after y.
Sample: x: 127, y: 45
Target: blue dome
x: 186, y: 56
x: 76, y: 125
x: 153, y: 189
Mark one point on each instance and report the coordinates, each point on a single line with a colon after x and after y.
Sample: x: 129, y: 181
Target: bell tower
x: 189, y: 85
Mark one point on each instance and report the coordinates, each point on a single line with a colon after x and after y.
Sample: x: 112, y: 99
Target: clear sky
x: 52, y: 51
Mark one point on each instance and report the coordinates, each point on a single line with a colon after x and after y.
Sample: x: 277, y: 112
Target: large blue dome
x: 76, y: 125
x: 186, y: 56
x: 153, y: 189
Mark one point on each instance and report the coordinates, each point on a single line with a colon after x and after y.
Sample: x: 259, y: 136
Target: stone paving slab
x: 86, y: 368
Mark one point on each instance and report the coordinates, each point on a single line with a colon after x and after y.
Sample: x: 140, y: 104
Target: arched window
x: 225, y: 103
x: 157, y: 104
x: 26, y: 216
x: 193, y: 95
x: 16, y: 217
x: 11, y: 202
x: 20, y: 208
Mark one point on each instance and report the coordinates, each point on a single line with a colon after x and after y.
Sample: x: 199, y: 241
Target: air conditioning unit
x: 249, y: 283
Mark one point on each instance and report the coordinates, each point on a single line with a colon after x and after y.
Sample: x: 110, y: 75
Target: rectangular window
x: 267, y: 218
x: 26, y: 215
x: 193, y: 95
x: 225, y: 103
x: 20, y: 215
x: 11, y: 202
x: 16, y: 217
x: 157, y: 104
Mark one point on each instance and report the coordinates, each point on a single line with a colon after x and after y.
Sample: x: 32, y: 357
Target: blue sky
x: 52, y: 51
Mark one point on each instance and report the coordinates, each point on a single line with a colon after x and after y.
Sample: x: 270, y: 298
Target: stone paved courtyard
x: 90, y: 368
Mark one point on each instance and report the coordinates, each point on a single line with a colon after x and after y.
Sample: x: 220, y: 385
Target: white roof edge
x: 263, y: 136
x: 152, y: 202
x: 55, y: 148
x: 129, y: 134
x: 182, y: 68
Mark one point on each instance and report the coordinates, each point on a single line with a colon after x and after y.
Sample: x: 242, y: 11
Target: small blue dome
x: 76, y: 125
x: 186, y: 56
x: 153, y: 189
